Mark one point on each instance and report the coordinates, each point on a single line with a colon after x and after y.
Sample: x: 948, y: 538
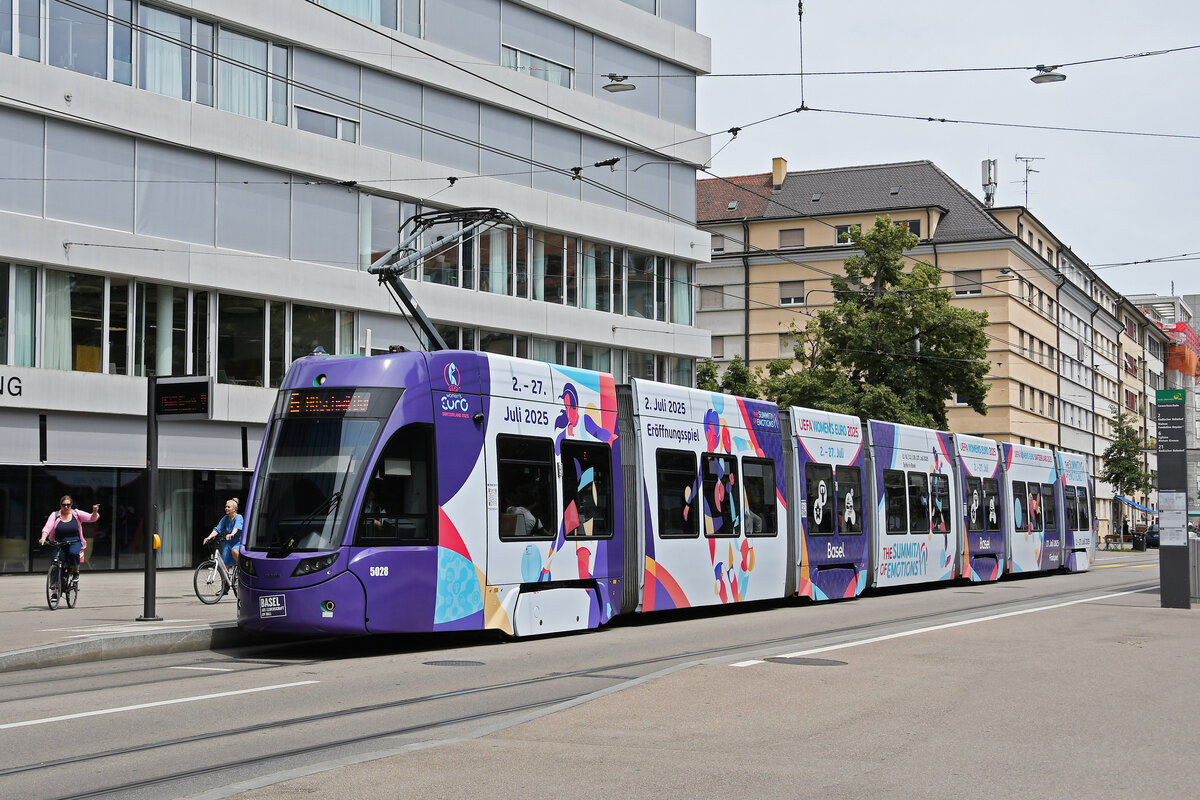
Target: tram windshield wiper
x: 327, y: 507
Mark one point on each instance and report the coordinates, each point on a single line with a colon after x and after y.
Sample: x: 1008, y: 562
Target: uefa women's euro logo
x: 453, y: 377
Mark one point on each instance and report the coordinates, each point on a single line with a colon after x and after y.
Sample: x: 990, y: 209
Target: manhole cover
x: 454, y: 663
x: 809, y: 662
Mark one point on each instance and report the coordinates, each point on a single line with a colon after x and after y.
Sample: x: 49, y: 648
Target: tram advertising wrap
x: 458, y: 490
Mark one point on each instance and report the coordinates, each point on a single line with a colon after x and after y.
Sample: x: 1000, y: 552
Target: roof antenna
x: 1028, y: 170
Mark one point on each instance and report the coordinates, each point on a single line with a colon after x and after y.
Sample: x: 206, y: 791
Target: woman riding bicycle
x: 65, y: 526
x: 229, y: 527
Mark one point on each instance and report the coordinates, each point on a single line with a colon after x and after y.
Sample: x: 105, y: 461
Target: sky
x: 1110, y: 198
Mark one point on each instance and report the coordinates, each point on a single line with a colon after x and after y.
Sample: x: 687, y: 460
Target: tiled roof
x: 748, y: 194
x: 858, y: 190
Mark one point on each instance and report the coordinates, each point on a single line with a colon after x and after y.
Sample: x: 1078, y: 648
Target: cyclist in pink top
x: 65, y: 526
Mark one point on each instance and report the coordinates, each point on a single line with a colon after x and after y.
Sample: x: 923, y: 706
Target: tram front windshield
x: 319, y: 441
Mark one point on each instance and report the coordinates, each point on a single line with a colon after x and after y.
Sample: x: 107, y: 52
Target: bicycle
x: 60, y: 581
x: 213, y: 579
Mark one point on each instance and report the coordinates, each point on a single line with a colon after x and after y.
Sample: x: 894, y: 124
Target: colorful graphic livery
x: 455, y: 490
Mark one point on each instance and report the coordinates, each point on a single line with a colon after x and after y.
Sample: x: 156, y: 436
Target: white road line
x: 103, y: 711
x: 206, y: 669
x: 932, y: 628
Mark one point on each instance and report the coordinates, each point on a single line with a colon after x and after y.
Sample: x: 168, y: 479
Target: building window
x: 595, y: 277
x: 711, y: 298
x: 326, y: 124
x: 78, y: 33
x: 717, y: 347
x: 241, y: 74
x: 791, y: 237
x: 968, y: 282
x: 681, y: 293
x: 403, y: 15
x: 913, y: 226
x: 787, y: 345
x: 165, y: 56
x: 718, y: 243
x: 1021, y: 395
x: 1130, y: 400
x: 841, y: 234
x: 535, y: 66
x: 640, y: 295
x: 74, y: 334
x: 791, y: 293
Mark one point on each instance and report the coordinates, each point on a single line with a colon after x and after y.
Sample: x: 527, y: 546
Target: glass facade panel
x: 118, y: 327
x: 4, y: 270
x: 24, y: 328
x: 641, y: 285
x: 595, y: 277
x: 441, y: 266
x: 160, y: 322
x: 277, y: 346
x: 122, y: 41
x: 79, y: 36
x: 379, y: 223
x: 495, y: 267
x: 164, y: 54
x: 241, y: 322
x: 241, y: 74
x: 313, y: 327
x: 29, y: 29
x: 74, y: 314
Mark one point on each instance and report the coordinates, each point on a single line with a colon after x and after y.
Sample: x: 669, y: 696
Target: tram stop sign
x: 1173, y: 567
x: 184, y: 398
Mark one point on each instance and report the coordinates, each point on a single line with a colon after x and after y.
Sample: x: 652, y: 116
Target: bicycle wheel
x: 71, y: 590
x: 52, y: 587
x: 233, y: 580
x: 209, y: 582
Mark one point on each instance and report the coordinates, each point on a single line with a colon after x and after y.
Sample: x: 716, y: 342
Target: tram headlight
x: 308, y: 566
x: 246, y: 565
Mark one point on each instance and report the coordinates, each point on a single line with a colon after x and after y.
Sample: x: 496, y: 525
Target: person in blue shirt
x: 230, y: 527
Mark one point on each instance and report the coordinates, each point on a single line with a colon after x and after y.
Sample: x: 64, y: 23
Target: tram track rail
x: 604, y: 672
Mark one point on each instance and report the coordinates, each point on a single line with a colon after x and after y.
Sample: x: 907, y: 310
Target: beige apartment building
x: 776, y: 244
x: 1058, y: 334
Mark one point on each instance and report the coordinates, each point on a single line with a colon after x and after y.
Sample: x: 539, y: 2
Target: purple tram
x: 455, y: 490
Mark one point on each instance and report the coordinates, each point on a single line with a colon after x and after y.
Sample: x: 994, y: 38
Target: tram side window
x: 822, y: 505
x: 758, y: 476
x: 1049, y: 508
x: 1085, y: 511
x: 991, y: 505
x: 678, y: 498
x: 721, y: 492
x: 895, y: 497
x: 1035, y: 507
x: 975, y: 505
x: 939, y: 506
x: 525, y: 483
x: 1072, y: 509
x: 587, y: 490
x: 1019, y: 500
x: 399, y: 507
x: 918, y: 502
x: 849, y: 493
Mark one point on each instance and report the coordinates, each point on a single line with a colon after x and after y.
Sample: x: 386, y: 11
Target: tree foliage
x: 892, y: 347
x: 738, y: 379
x: 1123, y: 460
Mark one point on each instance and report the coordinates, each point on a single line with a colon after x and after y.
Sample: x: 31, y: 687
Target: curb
x: 215, y: 635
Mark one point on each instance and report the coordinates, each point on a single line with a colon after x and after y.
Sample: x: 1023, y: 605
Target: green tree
x: 738, y: 379
x: 1123, y: 460
x: 892, y: 347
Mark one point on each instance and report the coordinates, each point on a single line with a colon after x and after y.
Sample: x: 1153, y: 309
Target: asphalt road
x: 1061, y: 686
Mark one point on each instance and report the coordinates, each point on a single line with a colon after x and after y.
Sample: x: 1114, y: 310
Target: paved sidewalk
x: 104, y: 622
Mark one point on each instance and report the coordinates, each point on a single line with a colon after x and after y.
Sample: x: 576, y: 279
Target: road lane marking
x: 932, y: 628
x: 206, y: 669
x: 140, y: 706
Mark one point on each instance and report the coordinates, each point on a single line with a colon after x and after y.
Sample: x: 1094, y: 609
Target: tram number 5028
x: 379, y: 572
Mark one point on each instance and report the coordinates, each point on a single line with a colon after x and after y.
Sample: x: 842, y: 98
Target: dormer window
x: 816, y: 198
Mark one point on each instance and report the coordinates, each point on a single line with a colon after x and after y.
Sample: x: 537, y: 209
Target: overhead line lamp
x: 1047, y: 75
x: 617, y: 83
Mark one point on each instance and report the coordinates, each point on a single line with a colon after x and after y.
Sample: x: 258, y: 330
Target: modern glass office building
x: 197, y: 188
